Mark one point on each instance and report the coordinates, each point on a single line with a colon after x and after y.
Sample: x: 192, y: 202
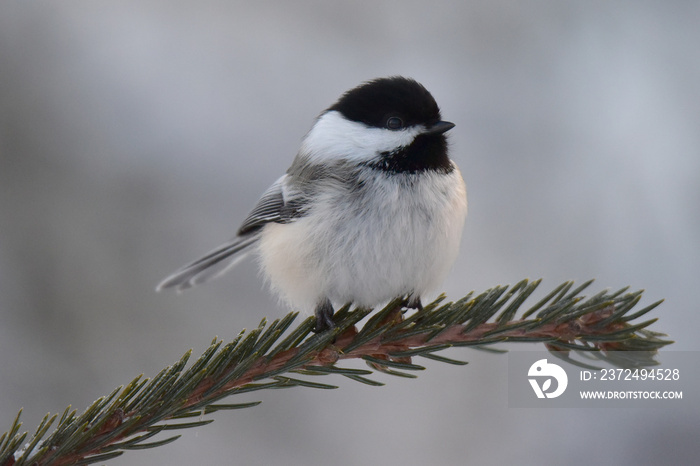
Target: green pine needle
x: 599, y: 327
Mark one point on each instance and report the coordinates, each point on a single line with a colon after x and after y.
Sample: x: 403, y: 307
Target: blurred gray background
x: 135, y: 136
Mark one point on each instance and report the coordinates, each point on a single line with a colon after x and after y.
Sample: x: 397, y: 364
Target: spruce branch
x: 268, y: 356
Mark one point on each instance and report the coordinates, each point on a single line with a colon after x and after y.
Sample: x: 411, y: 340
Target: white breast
x: 353, y: 247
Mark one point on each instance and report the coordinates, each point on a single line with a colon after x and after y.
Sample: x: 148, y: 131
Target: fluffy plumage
x: 372, y: 207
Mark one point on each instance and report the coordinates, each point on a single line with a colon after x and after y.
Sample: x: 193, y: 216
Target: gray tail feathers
x: 211, y: 265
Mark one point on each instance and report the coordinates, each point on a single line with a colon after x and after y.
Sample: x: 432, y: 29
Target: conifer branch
x: 129, y: 417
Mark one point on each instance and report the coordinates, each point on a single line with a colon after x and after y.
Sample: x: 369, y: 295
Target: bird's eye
x: 394, y: 123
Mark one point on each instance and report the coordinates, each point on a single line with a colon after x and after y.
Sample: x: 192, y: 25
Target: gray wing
x: 268, y: 209
x: 272, y: 207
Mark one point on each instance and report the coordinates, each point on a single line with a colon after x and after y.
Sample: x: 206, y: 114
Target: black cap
x: 375, y: 102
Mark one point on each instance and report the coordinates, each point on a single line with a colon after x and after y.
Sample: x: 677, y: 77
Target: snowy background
x: 135, y: 136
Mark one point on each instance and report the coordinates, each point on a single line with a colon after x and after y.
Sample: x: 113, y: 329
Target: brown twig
x: 130, y: 416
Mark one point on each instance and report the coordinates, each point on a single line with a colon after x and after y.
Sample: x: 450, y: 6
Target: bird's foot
x: 324, y: 317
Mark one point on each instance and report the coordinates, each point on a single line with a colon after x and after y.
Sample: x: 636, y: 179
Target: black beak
x: 439, y: 127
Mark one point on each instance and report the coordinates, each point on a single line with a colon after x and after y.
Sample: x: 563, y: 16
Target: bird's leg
x: 414, y: 303
x: 324, y: 316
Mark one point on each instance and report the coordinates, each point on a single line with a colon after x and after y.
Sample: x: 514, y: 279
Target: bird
x: 371, y: 209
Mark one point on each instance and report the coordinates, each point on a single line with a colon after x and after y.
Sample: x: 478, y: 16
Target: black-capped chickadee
x: 371, y: 209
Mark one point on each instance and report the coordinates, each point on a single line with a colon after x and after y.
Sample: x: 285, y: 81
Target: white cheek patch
x: 333, y: 137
